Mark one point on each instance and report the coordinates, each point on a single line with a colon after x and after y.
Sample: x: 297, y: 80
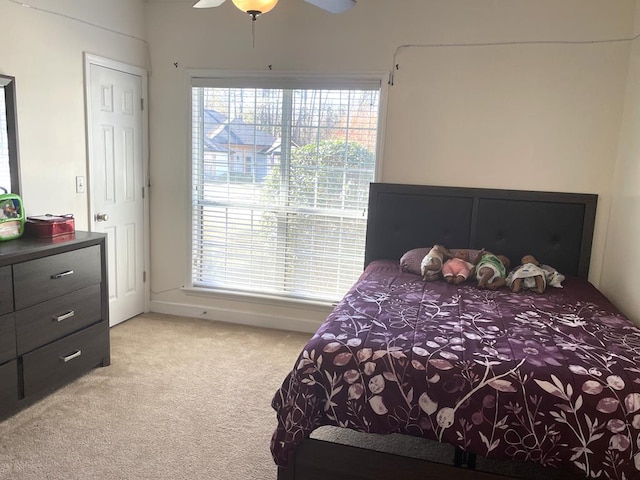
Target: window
x: 280, y: 183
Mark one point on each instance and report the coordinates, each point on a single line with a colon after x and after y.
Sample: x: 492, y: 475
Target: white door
x: 116, y: 180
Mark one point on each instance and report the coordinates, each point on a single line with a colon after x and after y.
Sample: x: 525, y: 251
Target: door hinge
x: 144, y: 277
x: 142, y: 104
x: 142, y: 192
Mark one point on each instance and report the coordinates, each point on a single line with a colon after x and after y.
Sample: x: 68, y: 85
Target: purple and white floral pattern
x: 552, y: 378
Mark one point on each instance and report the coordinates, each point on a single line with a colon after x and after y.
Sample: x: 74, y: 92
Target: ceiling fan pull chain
x: 253, y: 32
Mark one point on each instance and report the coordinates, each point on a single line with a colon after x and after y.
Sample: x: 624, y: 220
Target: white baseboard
x: 253, y: 319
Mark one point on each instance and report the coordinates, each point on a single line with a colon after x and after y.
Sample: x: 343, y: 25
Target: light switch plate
x: 79, y: 184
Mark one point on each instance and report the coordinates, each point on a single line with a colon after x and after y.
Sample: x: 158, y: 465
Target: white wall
x: 532, y: 117
x: 42, y: 47
x: 539, y: 116
x: 621, y: 253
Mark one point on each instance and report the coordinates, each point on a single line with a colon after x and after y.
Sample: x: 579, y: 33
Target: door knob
x: 101, y: 217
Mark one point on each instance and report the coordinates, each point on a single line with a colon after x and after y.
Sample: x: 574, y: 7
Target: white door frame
x: 91, y: 59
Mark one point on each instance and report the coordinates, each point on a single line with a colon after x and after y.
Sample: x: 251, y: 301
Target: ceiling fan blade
x: 208, y: 3
x: 333, y: 6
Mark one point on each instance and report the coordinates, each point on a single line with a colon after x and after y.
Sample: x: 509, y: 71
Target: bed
x: 551, y: 380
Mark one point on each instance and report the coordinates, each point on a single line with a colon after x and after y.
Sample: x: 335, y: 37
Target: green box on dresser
x: 54, y: 315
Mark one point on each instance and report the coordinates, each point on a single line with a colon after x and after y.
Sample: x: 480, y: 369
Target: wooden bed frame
x: 555, y: 227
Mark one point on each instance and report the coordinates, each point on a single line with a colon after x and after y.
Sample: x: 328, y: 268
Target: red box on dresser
x: 49, y: 226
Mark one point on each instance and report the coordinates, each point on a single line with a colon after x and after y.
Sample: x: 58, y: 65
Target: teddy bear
x: 533, y: 275
x: 491, y: 270
x: 432, y: 263
x: 458, y: 268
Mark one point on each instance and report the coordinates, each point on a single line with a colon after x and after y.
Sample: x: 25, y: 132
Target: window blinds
x: 280, y: 181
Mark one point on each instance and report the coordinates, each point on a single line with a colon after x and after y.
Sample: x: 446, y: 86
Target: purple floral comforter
x: 552, y: 378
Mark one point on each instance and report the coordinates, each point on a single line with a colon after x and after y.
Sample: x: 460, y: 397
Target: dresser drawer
x: 6, y: 290
x: 7, y: 338
x: 53, y: 319
x: 45, y: 278
x: 8, y: 386
x: 66, y: 359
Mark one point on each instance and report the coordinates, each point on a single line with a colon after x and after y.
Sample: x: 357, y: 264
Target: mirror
x: 9, y: 164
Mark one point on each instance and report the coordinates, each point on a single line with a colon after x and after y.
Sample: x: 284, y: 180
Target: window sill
x: 258, y: 298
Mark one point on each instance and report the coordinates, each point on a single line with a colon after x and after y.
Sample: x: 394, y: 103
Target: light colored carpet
x: 182, y: 399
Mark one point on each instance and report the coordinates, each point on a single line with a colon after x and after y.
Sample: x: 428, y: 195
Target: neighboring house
x: 236, y: 150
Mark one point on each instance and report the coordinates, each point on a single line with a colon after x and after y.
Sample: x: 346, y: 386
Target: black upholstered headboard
x: 557, y: 228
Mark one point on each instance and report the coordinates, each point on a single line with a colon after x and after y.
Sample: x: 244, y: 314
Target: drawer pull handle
x: 64, y: 316
x: 63, y: 274
x: 68, y: 358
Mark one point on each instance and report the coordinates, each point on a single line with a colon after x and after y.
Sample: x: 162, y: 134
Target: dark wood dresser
x: 54, y: 315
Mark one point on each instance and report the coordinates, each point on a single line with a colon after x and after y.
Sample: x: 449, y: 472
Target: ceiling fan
x: 258, y: 7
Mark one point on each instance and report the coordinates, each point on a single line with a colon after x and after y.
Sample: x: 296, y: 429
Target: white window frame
x: 208, y: 78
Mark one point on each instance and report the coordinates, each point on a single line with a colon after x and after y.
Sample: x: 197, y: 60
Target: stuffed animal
x: 458, y: 268
x: 491, y: 270
x: 431, y: 264
x: 533, y: 275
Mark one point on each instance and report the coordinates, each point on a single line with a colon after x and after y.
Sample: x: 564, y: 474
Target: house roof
x: 222, y: 135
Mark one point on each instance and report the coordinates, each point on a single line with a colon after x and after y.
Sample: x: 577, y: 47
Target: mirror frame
x: 9, y: 87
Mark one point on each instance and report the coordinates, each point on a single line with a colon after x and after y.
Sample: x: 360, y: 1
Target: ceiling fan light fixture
x: 255, y: 7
